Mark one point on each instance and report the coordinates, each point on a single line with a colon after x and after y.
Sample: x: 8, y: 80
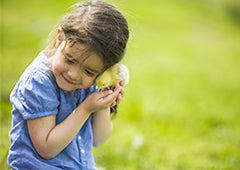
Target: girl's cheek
x: 56, y: 70
x: 87, y: 81
x: 60, y: 67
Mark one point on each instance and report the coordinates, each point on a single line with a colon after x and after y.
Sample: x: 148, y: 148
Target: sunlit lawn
x: 181, y: 108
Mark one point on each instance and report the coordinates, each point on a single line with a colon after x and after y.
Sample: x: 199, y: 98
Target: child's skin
x: 73, y: 71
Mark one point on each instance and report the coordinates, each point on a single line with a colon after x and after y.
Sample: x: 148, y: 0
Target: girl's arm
x: 101, y: 120
x: 102, y: 126
x: 50, y: 139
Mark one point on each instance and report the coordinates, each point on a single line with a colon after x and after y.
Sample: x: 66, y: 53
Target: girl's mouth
x: 68, y: 81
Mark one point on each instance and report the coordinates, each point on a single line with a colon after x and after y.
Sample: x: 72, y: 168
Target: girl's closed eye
x: 89, y: 73
x: 67, y: 58
x: 69, y: 61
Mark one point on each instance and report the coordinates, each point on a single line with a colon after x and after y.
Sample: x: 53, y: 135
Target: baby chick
x: 114, y: 74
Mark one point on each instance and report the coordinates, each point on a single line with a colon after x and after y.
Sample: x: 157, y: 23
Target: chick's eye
x: 104, y: 83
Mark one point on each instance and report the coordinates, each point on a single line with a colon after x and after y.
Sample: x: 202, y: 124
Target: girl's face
x: 73, y: 70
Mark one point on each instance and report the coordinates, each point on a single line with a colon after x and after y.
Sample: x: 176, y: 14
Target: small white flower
x: 138, y: 141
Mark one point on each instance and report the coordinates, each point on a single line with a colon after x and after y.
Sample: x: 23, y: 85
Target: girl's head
x: 92, y: 38
x: 100, y: 27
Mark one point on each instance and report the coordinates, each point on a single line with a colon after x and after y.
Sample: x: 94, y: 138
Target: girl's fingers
x: 105, y: 93
x: 121, y: 83
x: 109, y: 97
x: 122, y: 92
x: 119, y: 86
x: 105, y: 89
x: 113, y: 104
x: 119, y: 98
x: 116, y: 85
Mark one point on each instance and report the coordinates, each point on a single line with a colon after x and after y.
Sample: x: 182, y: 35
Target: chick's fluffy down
x: 116, y: 73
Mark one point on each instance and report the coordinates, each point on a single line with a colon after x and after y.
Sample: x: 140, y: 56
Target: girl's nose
x: 75, y: 73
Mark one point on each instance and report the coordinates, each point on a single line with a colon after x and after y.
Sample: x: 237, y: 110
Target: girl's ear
x: 59, y: 37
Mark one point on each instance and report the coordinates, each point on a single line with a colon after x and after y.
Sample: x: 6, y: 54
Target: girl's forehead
x: 82, y: 54
x: 76, y: 49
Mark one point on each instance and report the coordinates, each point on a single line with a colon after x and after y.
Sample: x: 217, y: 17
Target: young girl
x: 58, y: 115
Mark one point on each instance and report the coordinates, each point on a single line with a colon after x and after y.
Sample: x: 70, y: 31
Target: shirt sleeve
x: 36, y: 97
x: 86, y: 92
x: 93, y: 88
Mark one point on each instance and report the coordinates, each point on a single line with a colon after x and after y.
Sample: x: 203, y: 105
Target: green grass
x: 181, y: 109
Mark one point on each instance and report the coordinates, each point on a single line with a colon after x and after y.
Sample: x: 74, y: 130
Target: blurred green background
x: 182, y: 105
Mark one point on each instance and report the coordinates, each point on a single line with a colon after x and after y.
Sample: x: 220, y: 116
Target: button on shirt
x: 36, y: 95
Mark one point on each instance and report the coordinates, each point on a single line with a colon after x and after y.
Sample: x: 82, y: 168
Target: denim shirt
x: 35, y: 95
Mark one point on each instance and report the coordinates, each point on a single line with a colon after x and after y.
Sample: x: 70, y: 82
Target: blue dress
x: 35, y: 95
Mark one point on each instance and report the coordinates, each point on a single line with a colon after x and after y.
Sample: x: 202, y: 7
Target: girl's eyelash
x: 69, y: 61
x: 89, y: 73
x: 86, y: 71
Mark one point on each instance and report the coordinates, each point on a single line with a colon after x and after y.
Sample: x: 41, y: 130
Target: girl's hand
x: 121, y: 93
x: 101, y: 100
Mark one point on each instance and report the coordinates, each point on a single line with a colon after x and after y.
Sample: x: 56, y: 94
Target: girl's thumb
x: 106, y: 93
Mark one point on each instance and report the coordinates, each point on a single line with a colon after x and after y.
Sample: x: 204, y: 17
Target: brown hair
x: 101, y: 27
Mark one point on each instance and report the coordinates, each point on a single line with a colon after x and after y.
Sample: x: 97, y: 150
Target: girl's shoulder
x: 36, y: 94
x: 37, y: 75
x: 40, y: 65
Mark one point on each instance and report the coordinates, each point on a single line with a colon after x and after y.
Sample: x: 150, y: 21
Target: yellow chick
x: 116, y: 73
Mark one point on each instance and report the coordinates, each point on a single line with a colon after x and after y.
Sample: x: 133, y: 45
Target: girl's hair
x: 99, y: 26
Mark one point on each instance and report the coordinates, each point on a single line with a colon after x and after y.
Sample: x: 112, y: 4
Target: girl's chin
x: 67, y: 89
x: 67, y: 86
